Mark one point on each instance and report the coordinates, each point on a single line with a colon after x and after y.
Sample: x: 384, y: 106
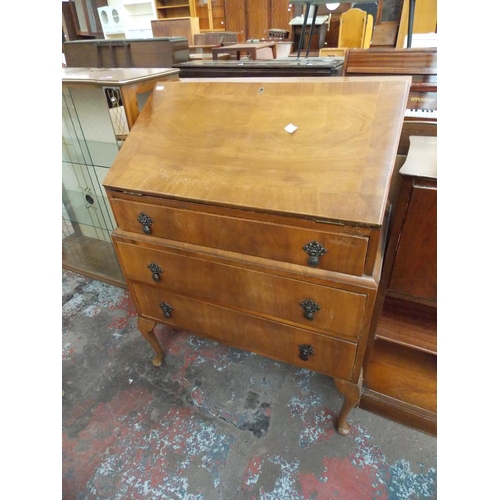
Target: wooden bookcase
x: 171, y: 9
x: 211, y: 13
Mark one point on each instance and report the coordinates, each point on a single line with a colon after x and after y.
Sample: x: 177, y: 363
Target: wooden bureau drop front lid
x: 226, y: 143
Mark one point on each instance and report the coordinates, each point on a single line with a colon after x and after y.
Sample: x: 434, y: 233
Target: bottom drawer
x: 330, y: 356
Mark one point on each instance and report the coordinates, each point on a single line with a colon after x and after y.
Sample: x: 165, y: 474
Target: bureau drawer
x: 345, y: 252
x: 268, y: 338
x: 334, y: 311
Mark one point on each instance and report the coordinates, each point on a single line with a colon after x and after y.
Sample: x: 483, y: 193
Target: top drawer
x: 322, y: 246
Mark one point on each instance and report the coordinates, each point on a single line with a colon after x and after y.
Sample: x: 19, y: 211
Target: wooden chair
x: 356, y: 29
x: 367, y: 40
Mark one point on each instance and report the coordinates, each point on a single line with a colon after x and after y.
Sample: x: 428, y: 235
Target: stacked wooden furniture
x: 126, y: 53
x: 266, y: 229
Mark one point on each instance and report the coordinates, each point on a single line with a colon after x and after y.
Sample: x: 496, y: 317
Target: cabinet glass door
x: 89, y: 146
x: 211, y: 15
x: 218, y: 15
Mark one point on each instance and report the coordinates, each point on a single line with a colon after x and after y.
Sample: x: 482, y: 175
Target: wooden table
x: 290, y: 66
x: 249, y: 48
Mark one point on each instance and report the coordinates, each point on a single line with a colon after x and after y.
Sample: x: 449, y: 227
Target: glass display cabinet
x: 99, y: 108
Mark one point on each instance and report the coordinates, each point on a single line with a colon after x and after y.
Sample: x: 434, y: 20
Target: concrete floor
x: 213, y: 423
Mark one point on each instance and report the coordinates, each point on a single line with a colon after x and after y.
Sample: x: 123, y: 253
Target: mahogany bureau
x: 254, y: 212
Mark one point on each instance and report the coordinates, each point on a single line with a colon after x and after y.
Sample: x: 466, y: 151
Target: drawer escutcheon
x: 167, y: 309
x: 156, y: 270
x: 315, y: 250
x: 146, y: 222
x: 310, y: 307
x: 305, y: 350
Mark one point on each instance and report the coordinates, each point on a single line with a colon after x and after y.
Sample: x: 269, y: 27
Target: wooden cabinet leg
x: 352, y: 394
x: 146, y: 327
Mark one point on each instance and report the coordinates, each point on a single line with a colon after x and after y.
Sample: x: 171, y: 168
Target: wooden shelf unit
x: 211, y: 15
x: 171, y: 9
x: 401, y: 365
x: 401, y: 385
x: 409, y: 324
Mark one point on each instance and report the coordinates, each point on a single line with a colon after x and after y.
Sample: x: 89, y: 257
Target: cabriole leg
x: 352, y: 394
x: 146, y: 327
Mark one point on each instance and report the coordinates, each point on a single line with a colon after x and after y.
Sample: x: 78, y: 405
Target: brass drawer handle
x: 146, y: 222
x: 156, y: 270
x: 305, y: 350
x: 310, y: 307
x: 167, y: 309
x: 315, y: 250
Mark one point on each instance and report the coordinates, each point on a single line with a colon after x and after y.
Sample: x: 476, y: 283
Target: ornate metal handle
x: 146, y: 222
x: 156, y: 270
x: 315, y: 250
x: 310, y: 307
x: 167, y: 309
x: 305, y: 350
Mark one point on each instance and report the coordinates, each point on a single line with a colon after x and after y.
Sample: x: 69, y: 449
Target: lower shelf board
x: 409, y: 323
x: 92, y: 257
x: 399, y: 411
x: 400, y: 383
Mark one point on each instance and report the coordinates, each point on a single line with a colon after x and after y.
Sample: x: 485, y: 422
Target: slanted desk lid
x: 321, y: 148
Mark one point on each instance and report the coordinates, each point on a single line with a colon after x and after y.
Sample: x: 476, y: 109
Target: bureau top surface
x: 113, y: 76
x: 316, y: 148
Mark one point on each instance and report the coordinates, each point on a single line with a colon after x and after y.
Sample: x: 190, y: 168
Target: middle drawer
x: 333, y: 311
